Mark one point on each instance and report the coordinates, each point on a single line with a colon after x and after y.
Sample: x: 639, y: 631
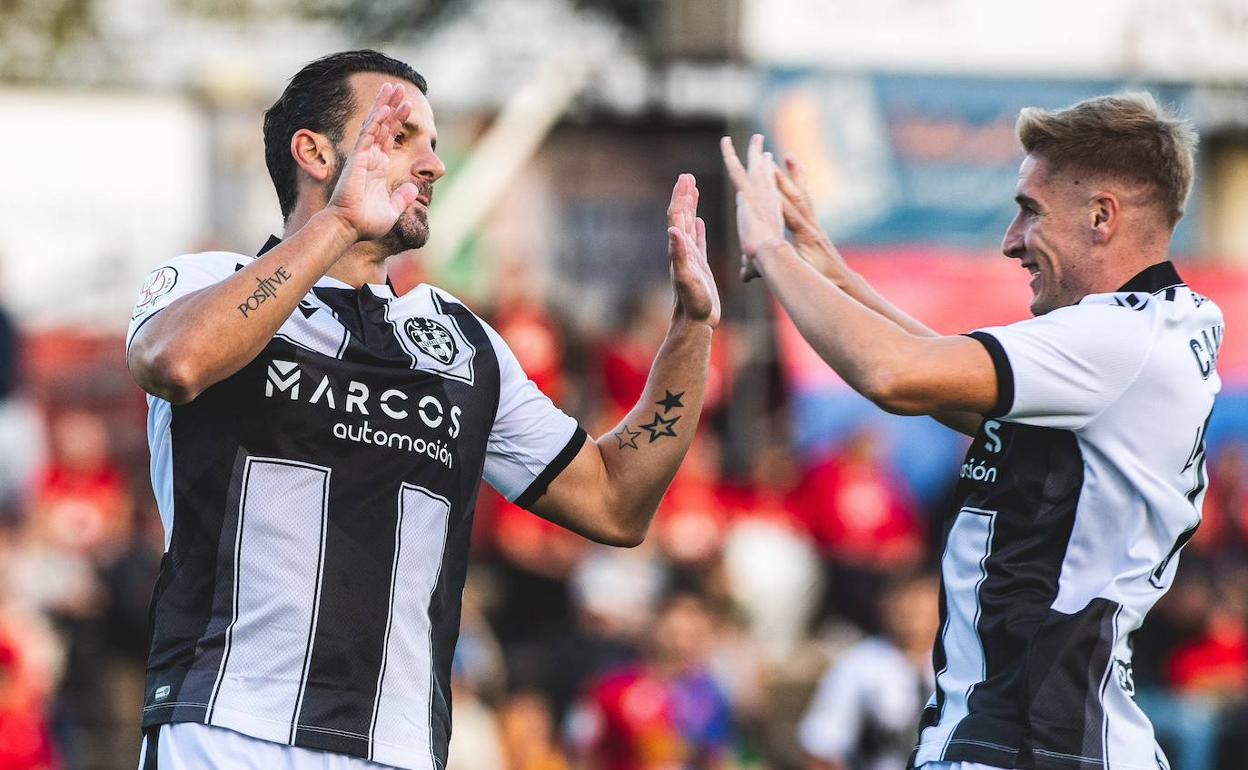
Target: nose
x: 429, y: 167
x: 1012, y: 245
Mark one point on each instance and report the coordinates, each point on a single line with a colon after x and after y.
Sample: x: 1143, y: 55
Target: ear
x: 314, y: 153
x: 1104, y: 216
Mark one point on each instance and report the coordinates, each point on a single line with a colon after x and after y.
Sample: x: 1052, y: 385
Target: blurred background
x: 781, y: 613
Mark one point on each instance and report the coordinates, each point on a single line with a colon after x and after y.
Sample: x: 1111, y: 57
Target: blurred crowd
x: 779, y: 617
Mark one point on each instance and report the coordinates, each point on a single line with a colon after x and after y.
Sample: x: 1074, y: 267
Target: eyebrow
x: 414, y: 128
x: 1026, y: 200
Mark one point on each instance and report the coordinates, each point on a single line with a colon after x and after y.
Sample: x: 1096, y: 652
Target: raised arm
x: 895, y: 362
x: 611, y: 489
x: 210, y: 334
x: 814, y: 246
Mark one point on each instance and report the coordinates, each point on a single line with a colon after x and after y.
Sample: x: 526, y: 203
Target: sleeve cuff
x: 1005, y: 373
x: 538, y: 487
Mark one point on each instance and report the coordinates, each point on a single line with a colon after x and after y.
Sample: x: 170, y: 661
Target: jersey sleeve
x: 177, y: 278
x: 532, y: 440
x: 1062, y: 369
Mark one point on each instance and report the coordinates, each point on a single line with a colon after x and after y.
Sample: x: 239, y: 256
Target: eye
x: 400, y: 138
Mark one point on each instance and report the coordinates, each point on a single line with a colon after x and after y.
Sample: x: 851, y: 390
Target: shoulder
x: 1096, y: 323
x: 1094, y: 313
x: 430, y: 297
x: 214, y: 261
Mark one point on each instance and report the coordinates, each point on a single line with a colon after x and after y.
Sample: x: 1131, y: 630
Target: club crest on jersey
x: 432, y: 338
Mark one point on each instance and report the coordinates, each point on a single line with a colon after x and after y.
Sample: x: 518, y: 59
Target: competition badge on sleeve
x: 159, y: 283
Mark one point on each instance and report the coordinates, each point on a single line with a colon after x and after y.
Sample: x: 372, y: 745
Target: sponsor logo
x: 161, y: 693
x: 432, y: 338
x: 991, y: 430
x: 366, y: 434
x: 266, y: 289
x: 158, y: 283
x: 978, y: 471
x: 284, y: 380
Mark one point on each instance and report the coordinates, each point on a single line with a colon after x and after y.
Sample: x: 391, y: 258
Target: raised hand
x: 760, y: 215
x: 697, y: 298
x: 812, y: 243
x: 363, y: 196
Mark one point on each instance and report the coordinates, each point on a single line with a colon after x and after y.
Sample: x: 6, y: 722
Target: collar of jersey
x: 1153, y: 279
x: 379, y: 290
x: 1150, y: 280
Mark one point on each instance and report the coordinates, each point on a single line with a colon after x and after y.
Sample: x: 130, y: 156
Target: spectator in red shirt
x: 82, y: 502
x: 25, y: 740
x: 665, y: 713
x: 864, y: 523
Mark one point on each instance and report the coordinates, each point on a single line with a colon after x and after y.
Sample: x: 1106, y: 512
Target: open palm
x: 760, y: 216
x: 363, y: 193
x: 696, y: 295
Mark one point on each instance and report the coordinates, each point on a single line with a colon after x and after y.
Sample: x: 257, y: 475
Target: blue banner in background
x: 896, y: 159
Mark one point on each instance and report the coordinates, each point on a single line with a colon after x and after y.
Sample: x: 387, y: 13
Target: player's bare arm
x: 208, y: 335
x: 610, y: 490
x: 813, y: 245
x: 900, y: 369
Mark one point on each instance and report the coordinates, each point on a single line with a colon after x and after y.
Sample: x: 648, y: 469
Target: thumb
x: 404, y: 196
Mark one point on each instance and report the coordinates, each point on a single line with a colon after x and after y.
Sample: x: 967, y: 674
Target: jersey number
x: 1196, y: 465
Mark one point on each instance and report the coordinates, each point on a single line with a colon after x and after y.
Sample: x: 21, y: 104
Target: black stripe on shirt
x: 151, y: 748
x: 1005, y: 373
x: 538, y: 488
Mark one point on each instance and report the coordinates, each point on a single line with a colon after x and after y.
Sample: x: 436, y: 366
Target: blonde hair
x: 1126, y: 137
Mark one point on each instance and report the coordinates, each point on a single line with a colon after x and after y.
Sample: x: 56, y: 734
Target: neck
x: 364, y: 262
x: 1121, y: 270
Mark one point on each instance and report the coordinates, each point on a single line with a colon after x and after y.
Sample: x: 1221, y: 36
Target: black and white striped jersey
x: 317, y: 507
x: 1074, y: 501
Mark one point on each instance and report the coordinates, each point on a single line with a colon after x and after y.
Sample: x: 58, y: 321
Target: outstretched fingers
x: 736, y: 172
x: 683, y: 211
x: 380, y: 111
x: 793, y: 186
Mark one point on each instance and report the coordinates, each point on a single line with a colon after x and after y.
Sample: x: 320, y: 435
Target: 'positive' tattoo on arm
x: 266, y: 289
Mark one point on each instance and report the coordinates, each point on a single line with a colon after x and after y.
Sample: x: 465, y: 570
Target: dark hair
x: 319, y: 98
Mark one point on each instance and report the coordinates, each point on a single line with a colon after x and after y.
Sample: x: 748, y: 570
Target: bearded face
x: 411, y: 229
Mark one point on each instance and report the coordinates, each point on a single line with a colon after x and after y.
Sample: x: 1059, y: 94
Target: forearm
x: 863, y: 346
x: 209, y: 335
x: 642, y: 453
x: 857, y: 287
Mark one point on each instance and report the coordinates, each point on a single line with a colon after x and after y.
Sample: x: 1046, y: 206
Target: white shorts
x: 192, y: 746
x: 955, y: 766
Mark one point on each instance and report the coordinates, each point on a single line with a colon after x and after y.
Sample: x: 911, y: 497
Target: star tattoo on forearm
x: 660, y: 427
x: 670, y: 401
x: 627, y: 438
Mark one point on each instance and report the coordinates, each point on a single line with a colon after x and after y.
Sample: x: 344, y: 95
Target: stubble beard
x: 411, y: 229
